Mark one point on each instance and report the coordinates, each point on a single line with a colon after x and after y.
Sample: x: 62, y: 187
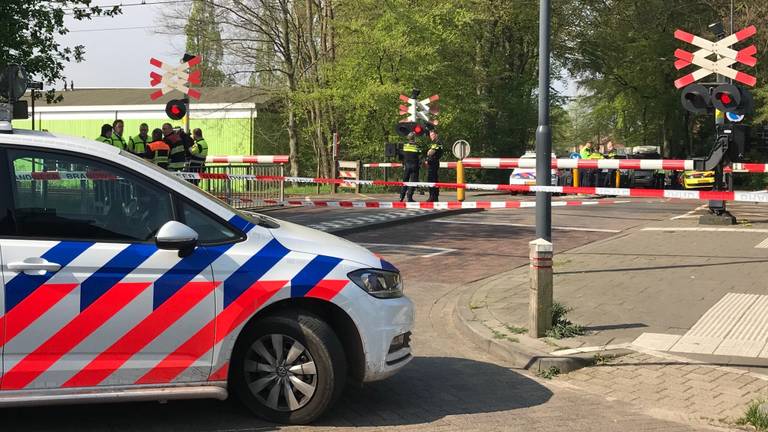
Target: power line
x: 112, y: 29
x: 69, y: 11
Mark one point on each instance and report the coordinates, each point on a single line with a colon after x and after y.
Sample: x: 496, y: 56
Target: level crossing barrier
x: 637, y: 164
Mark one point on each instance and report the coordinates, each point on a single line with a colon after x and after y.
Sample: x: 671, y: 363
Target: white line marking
x: 706, y: 229
x: 562, y: 228
x: 762, y: 245
x: 690, y: 214
x: 439, y: 250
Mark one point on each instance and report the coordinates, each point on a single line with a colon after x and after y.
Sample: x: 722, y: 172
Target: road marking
x: 562, y: 228
x: 762, y: 245
x: 706, y: 229
x: 437, y: 250
x: 690, y: 214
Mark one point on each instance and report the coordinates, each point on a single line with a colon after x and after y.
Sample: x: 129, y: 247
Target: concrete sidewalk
x: 690, y: 305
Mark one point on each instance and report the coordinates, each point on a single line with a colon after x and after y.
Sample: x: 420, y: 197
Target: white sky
x: 116, y: 52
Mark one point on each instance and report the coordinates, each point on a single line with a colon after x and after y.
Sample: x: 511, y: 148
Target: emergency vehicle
x: 121, y: 282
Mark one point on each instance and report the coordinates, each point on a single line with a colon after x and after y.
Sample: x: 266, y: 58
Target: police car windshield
x: 253, y: 217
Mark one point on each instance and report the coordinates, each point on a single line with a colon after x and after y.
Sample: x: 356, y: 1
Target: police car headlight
x: 378, y: 283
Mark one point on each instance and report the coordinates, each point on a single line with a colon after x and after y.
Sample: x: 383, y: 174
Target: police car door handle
x: 33, y: 266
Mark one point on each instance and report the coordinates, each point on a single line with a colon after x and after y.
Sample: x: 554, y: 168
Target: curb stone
x: 526, y: 352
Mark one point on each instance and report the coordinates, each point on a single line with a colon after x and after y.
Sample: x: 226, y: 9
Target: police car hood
x: 302, y: 239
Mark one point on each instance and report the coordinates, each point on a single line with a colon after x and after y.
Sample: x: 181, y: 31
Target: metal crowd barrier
x: 243, y: 194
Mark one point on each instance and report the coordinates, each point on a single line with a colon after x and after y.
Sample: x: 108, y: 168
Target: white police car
x: 526, y: 176
x: 121, y: 282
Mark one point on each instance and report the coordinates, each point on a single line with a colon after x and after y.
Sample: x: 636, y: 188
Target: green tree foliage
x: 204, y: 40
x: 29, y: 30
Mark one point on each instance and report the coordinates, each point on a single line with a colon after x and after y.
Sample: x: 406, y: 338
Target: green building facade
x: 234, y: 120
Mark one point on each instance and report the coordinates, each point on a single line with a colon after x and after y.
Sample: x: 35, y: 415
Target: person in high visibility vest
x: 158, y: 150
x: 434, y: 153
x: 198, y: 151
x: 586, y: 174
x: 411, y: 157
x: 117, y: 134
x: 138, y: 144
x: 177, y: 159
x: 595, y: 174
x: 106, y: 134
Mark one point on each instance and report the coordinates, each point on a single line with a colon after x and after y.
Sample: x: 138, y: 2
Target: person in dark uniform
x: 434, y: 153
x: 410, y: 156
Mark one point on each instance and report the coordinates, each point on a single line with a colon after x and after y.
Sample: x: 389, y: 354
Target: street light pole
x: 544, y: 131
x: 540, y: 250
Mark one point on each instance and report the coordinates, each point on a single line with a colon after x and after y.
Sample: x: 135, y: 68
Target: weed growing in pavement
x: 550, y: 373
x: 501, y: 335
x: 474, y: 306
x: 516, y: 330
x: 603, y: 359
x: 561, y: 326
x: 755, y: 416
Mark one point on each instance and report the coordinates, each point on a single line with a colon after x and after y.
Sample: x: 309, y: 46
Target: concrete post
x: 540, y: 295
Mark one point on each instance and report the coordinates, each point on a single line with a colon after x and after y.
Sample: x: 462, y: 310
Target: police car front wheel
x: 289, y: 368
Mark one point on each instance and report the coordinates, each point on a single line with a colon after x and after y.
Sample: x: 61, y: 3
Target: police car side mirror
x: 176, y: 236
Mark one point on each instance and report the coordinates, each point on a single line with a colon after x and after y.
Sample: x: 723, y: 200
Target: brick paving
x: 674, y: 386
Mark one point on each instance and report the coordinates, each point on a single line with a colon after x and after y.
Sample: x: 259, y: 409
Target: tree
x: 29, y: 31
x: 204, y: 40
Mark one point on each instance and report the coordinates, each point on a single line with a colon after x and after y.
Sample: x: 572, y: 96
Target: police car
x: 527, y: 176
x: 121, y: 282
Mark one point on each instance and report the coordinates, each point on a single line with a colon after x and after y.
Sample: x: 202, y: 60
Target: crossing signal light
x: 404, y: 128
x: 696, y: 99
x: 733, y: 99
x: 176, y: 109
x: 727, y: 98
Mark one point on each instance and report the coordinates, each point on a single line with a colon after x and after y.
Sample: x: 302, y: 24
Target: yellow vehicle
x: 698, y: 179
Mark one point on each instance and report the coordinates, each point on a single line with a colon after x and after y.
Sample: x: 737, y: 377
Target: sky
x: 117, y: 50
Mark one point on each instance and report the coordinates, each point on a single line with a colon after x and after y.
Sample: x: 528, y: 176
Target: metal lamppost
x: 540, y: 250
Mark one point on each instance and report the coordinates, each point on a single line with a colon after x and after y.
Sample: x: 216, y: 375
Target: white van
x: 121, y: 282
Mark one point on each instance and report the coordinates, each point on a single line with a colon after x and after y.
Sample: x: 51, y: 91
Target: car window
x: 62, y: 196
x: 209, y: 230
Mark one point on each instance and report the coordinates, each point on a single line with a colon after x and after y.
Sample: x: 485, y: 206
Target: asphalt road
x: 449, y: 386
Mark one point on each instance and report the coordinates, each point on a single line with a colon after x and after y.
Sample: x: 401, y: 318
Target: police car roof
x: 59, y: 142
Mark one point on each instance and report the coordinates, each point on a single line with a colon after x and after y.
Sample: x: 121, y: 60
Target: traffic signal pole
x: 541, y: 251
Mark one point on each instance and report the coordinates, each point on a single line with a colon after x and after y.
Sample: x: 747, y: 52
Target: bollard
x: 618, y: 178
x: 575, y: 177
x: 459, y: 179
x: 540, y: 296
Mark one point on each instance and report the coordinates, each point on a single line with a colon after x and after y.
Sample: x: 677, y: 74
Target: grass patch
x: 550, y: 373
x: 601, y: 359
x: 755, y: 416
x: 516, y: 330
x: 562, y: 327
x: 503, y: 336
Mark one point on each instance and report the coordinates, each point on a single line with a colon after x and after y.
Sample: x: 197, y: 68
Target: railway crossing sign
x: 175, y: 77
x: 419, y: 110
x: 725, y: 57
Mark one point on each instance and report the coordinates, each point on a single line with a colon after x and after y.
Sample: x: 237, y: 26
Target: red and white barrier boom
x: 645, y: 164
x: 272, y: 159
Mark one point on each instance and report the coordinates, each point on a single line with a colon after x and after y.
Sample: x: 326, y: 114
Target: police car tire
x: 323, y: 345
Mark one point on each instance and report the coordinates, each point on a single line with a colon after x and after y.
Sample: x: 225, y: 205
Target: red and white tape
x: 744, y: 196
x: 272, y: 159
x: 442, y: 205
